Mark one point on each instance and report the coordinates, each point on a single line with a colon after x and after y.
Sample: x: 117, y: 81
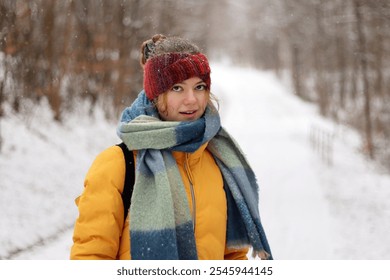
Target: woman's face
x: 185, y: 101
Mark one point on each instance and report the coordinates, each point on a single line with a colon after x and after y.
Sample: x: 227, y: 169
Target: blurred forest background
x: 335, y: 53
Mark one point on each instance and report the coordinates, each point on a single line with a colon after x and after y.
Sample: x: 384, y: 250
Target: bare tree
x: 364, y: 68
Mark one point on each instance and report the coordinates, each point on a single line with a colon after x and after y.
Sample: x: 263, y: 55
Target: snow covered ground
x: 310, y: 209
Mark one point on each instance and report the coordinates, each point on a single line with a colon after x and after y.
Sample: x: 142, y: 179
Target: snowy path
x: 310, y: 210
x: 293, y: 210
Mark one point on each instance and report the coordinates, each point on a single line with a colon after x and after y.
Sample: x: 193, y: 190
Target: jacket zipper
x: 192, y: 193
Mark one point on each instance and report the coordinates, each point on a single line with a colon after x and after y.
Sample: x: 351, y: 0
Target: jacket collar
x: 191, y: 158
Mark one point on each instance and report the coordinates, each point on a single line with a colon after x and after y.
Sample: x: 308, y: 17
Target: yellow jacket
x: 100, y: 231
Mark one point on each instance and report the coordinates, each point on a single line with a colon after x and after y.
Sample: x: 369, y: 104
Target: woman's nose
x: 190, y: 96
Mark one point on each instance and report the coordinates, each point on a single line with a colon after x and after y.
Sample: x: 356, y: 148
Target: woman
x: 195, y: 196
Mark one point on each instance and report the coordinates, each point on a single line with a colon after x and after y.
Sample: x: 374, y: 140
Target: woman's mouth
x: 190, y: 113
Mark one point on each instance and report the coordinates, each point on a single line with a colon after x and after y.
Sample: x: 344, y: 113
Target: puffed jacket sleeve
x: 98, y: 229
x: 239, y: 254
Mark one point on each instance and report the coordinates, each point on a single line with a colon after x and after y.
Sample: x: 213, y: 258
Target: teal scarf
x: 160, y: 219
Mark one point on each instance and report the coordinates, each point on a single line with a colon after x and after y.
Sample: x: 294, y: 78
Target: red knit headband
x: 163, y: 71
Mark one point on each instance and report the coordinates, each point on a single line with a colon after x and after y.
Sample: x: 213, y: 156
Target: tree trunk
x: 52, y: 84
x: 364, y: 67
x: 296, y: 71
x: 320, y: 66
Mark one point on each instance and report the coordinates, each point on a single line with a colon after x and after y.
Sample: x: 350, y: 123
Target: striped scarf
x: 160, y: 219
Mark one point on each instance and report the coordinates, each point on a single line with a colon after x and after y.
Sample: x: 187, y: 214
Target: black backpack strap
x: 129, y: 178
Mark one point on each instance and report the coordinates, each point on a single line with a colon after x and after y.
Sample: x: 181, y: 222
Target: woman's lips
x: 189, y: 113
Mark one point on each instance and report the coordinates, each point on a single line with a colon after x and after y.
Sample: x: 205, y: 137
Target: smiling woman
x: 194, y: 196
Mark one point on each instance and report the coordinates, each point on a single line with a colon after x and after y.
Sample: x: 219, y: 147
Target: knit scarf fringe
x: 160, y: 219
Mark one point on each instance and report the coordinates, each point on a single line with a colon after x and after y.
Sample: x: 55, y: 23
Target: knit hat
x: 161, y: 72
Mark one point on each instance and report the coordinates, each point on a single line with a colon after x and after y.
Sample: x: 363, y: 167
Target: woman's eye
x: 200, y: 87
x: 176, y: 88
